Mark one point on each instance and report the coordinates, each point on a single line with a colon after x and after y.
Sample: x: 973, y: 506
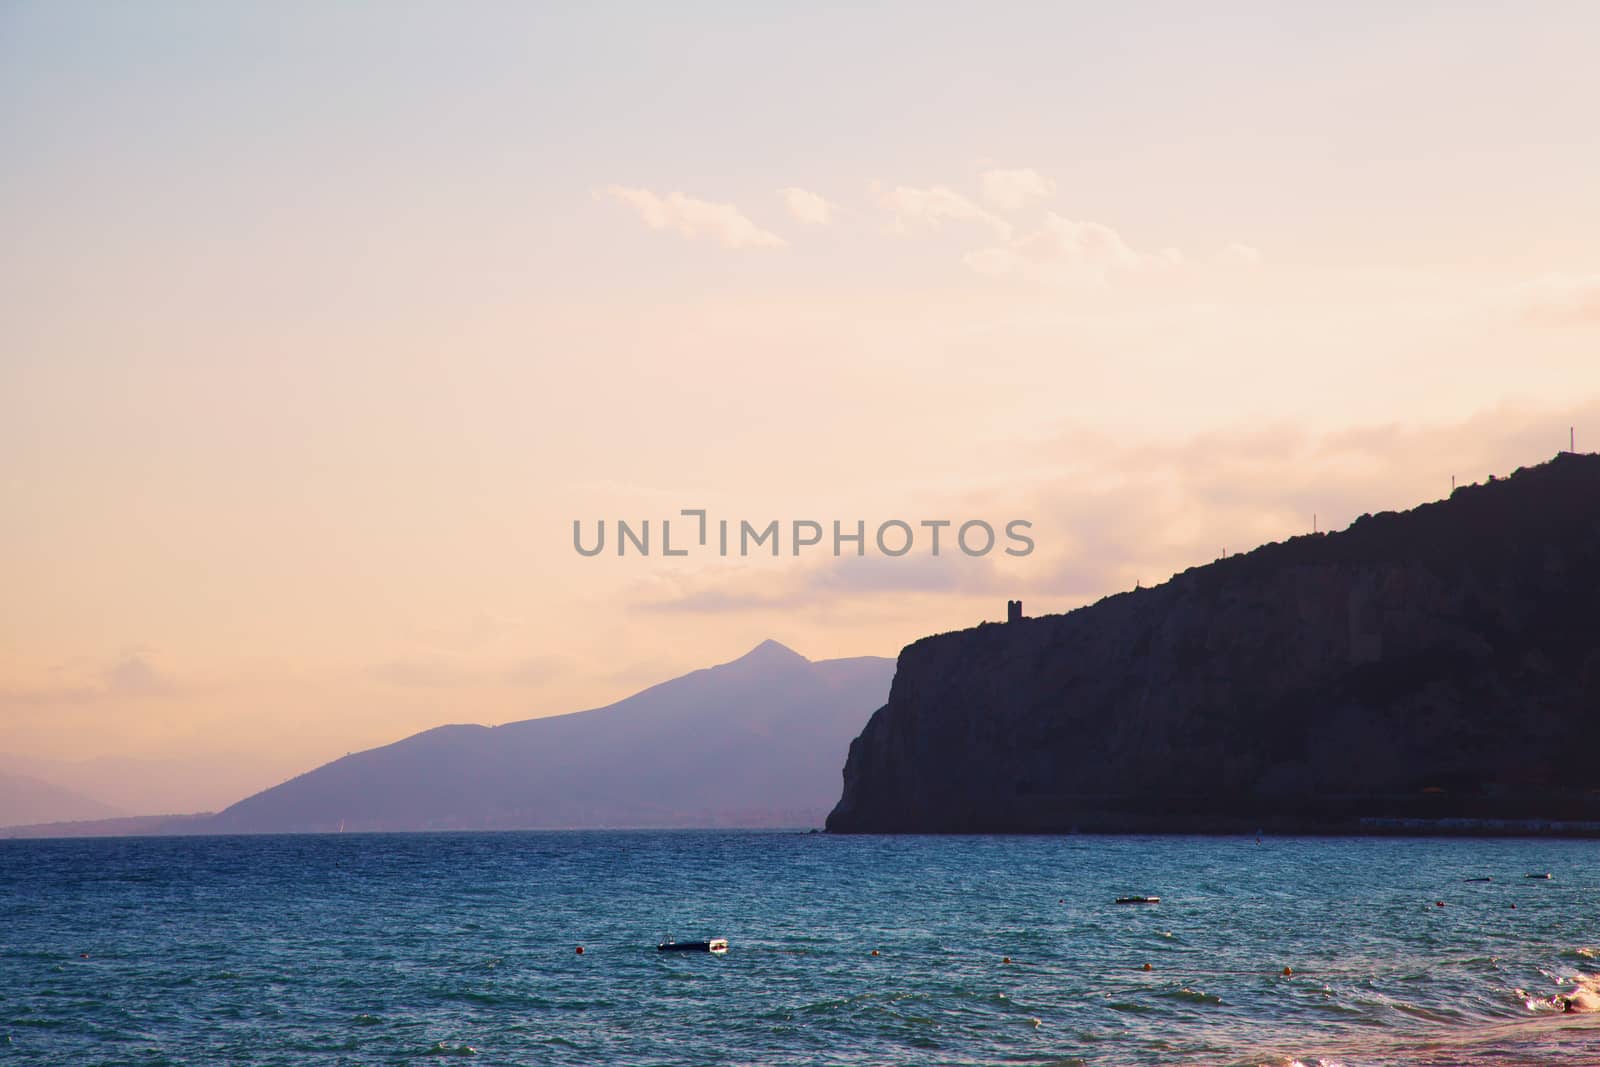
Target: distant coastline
x: 122, y: 826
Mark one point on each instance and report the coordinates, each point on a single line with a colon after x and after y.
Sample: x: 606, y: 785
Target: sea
x: 417, y: 948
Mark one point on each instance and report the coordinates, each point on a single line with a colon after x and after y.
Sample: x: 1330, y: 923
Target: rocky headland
x: 1435, y: 670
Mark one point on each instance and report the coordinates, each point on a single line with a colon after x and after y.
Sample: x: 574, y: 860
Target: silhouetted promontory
x: 1436, y: 670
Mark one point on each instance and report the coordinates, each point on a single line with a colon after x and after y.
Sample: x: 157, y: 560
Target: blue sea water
x: 399, y: 949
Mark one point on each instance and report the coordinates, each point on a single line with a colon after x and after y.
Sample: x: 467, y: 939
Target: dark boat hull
x: 716, y: 944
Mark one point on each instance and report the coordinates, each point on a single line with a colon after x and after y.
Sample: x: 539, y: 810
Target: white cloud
x: 928, y: 209
x: 806, y: 206
x: 1561, y: 300
x: 694, y: 218
x: 1069, y: 251
x: 1239, y: 255
x: 132, y: 677
x: 1011, y: 190
x: 1110, y: 509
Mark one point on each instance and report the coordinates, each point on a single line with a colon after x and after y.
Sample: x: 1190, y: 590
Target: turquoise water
x: 389, y: 949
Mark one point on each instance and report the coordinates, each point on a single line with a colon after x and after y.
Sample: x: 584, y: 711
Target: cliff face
x: 1441, y: 663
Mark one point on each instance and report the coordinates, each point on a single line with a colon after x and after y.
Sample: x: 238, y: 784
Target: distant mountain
x: 156, y: 784
x: 1436, y: 670
x: 755, y: 742
x: 24, y: 799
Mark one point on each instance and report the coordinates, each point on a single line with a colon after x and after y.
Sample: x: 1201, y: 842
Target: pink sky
x: 321, y: 328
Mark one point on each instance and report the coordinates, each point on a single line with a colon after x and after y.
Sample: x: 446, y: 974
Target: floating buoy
x: 1438, y: 903
x: 1005, y: 959
x: 1513, y: 907
x: 1287, y: 971
x: 874, y: 952
x: 1147, y: 967
x: 83, y: 955
x: 580, y: 950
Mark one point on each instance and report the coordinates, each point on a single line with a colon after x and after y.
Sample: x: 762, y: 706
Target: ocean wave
x: 288, y: 962
x: 441, y: 1048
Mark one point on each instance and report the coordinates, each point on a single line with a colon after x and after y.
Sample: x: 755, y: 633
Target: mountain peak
x: 777, y: 719
x: 771, y: 652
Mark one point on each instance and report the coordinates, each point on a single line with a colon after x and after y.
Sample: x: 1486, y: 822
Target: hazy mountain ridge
x: 1441, y: 663
x: 754, y: 742
x: 205, y: 780
x: 25, y: 799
